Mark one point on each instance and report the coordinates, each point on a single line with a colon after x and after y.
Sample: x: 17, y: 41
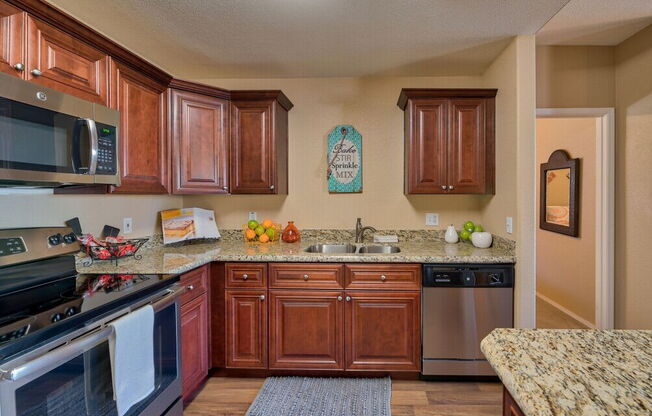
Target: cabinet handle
x: 19, y: 67
x: 451, y: 187
x: 339, y: 298
x: 443, y: 187
x: 348, y: 298
x: 245, y: 276
x: 305, y: 277
x: 36, y: 72
x: 262, y: 297
x: 383, y: 277
x: 271, y: 187
x: 190, y: 287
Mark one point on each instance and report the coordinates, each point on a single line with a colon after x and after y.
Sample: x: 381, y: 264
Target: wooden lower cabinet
x: 246, y: 328
x: 306, y: 329
x: 383, y: 331
x: 194, y: 345
x: 510, y: 407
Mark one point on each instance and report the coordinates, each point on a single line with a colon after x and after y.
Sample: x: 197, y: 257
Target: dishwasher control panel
x: 435, y: 275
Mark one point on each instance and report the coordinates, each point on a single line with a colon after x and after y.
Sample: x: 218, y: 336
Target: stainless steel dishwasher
x: 461, y: 304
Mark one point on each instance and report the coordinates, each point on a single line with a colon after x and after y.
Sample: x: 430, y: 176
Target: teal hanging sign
x: 344, y: 160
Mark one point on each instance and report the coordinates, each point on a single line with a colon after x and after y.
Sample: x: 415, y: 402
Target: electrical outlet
x: 127, y: 225
x: 432, y: 218
x: 253, y: 216
x: 509, y: 225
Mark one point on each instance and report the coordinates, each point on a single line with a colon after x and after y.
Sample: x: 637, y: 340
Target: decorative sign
x: 344, y: 160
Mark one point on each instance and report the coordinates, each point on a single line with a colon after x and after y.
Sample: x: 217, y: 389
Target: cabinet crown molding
x: 409, y: 93
x: 190, y: 86
x: 262, y: 95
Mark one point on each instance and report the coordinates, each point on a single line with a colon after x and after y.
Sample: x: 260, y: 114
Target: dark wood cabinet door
x: 246, y: 328
x: 306, y: 329
x: 58, y: 60
x: 426, y: 146
x: 383, y: 331
x: 194, y: 343
x: 467, y: 153
x: 12, y: 21
x: 510, y: 407
x: 253, y: 151
x: 143, y: 135
x: 200, y: 143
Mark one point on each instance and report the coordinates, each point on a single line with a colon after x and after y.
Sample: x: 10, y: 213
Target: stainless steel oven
x: 72, y: 375
x: 48, y: 138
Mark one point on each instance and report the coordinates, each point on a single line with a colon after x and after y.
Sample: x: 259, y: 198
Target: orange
x: 263, y: 238
x: 267, y: 223
x: 250, y: 234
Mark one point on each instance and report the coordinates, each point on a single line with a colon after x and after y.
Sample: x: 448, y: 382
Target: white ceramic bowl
x: 481, y: 240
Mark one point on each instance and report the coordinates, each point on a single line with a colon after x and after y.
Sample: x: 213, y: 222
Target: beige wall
x: 566, y: 265
x: 575, y: 76
x: 38, y: 209
x: 633, y: 187
x: 369, y: 104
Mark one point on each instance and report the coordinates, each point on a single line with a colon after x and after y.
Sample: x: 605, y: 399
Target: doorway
x: 574, y: 275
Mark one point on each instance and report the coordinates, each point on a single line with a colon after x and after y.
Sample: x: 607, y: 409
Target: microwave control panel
x: 107, y: 161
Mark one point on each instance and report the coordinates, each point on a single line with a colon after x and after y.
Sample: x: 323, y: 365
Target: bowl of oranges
x: 261, y: 232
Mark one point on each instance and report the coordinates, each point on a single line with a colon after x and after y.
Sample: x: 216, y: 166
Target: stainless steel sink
x: 351, y: 248
x: 331, y: 248
x: 379, y: 249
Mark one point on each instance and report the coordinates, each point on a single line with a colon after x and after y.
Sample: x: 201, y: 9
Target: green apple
x: 252, y: 224
x: 271, y: 233
x: 478, y: 228
x: 465, y: 235
x: 469, y: 226
x: 260, y: 230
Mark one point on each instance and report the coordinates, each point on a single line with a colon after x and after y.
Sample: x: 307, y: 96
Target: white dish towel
x: 132, y: 357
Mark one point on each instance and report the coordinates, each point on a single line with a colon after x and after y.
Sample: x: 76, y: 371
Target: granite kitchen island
x: 574, y: 372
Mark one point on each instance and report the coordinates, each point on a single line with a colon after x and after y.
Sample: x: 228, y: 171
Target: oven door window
x: 83, y: 385
x: 38, y: 139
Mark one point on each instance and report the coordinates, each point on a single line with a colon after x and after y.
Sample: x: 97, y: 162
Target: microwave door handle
x: 95, y: 145
x: 54, y: 358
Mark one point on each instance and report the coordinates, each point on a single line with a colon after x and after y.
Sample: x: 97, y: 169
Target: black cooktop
x: 48, y: 299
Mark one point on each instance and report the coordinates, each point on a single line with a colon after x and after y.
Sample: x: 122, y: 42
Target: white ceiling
x: 596, y: 22
x: 315, y: 38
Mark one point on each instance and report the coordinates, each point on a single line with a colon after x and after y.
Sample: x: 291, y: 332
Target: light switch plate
x: 253, y: 216
x: 509, y: 225
x: 127, y: 225
x: 432, y: 218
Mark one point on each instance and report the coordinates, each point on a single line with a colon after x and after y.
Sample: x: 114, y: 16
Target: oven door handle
x: 172, y: 294
x: 57, y: 356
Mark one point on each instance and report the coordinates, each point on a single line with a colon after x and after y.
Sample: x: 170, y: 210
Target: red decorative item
x: 291, y: 233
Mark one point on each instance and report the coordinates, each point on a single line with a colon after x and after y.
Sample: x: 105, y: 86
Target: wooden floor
x: 232, y: 397
x: 550, y: 317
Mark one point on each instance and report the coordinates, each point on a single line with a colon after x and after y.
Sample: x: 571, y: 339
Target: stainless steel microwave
x: 48, y: 138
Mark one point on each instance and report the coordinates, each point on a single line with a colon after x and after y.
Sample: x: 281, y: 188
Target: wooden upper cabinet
x: 58, y: 60
x: 12, y: 21
x: 144, y: 156
x: 200, y: 142
x: 449, y: 140
x: 306, y: 329
x: 259, y: 142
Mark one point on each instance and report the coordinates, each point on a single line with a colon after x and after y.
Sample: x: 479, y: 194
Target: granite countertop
x: 574, y: 372
x: 163, y: 259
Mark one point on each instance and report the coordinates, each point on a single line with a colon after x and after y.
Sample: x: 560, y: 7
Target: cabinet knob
x: 36, y: 72
x: 443, y: 187
x: 19, y: 67
x: 262, y: 297
x: 271, y: 186
x: 245, y: 276
x: 226, y: 188
x: 451, y: 187
x: 348, y: 298
x: 305, y: 277
x: 383, y: 277
x: 339, y: 298
x: 190, y: 287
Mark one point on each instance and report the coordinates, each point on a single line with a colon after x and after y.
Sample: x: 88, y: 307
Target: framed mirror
x: 559, y: 194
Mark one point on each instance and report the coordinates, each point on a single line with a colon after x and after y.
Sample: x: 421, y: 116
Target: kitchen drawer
x: 306, y: 275
x: 246, y: 275
x: 196, y: 282
x: 383, y: 276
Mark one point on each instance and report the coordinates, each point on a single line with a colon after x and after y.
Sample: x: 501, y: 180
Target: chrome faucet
x: 359, y: 231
